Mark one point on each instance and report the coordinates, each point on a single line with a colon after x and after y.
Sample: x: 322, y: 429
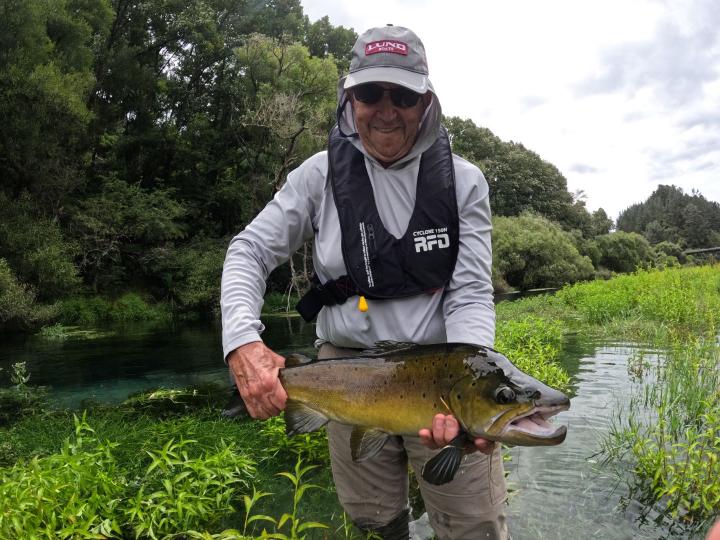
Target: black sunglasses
x: 372, y: 93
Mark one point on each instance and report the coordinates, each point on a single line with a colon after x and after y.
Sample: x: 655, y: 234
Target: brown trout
x: 397, y: 388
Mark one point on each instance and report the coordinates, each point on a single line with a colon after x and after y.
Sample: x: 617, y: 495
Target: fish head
x: 497, y: 401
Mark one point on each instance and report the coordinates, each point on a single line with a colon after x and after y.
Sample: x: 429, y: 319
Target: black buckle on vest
x: 330, y: 293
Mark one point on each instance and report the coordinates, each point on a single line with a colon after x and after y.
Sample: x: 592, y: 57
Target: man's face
x: 386, y: 130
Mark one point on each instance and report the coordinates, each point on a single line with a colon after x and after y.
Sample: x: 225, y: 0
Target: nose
x: 386, y: 108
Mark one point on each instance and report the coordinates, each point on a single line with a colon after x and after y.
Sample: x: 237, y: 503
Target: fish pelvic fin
x: 442, y: 468
x: 365, y: 442
x: 299, y: 418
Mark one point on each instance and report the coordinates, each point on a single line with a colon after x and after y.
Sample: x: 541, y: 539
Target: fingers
x: 255, y: 368
x: 444, y: 429
x: 485, y: 446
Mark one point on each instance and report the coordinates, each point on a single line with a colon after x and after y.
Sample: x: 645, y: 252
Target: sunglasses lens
x: 402, y: 97
x: 368, y: 93
x: 371, y: 93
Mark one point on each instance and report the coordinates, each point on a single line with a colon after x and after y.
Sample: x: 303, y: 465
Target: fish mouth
x: 534, y: 429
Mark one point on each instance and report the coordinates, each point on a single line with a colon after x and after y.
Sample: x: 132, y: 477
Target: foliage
x: 190, y: 275
x: 20, y: 399
x: 682, y: 301
x: 96, y: 309
x: 36, y: 248
x: 533, y: 345
x: 308, y: 447
x: 671, y: 215
x: 134, y: 133
x: 111, y: 225
x: 82, y: 491
x: 530, y: 251
x: 18, y: 307
x: 676, y: 456
x: 623, y: 252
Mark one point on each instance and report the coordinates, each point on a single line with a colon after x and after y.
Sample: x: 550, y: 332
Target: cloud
x: 583, y: 168
x: 530, y: 102
x: 682, y: 56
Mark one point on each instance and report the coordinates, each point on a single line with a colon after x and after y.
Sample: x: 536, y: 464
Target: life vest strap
x: 330, y: 293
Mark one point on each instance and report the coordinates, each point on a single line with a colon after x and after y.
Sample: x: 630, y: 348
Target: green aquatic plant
x: 670, y: 304
x: 83, y: 491
x: 56, y: 331
x: 20, y: 399
x: 669, y: 434
x: 291, y: 520
x: 309, y: 447
x: 533, y: 344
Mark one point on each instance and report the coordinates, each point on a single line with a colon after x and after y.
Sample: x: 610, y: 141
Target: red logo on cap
x: 395, y: 47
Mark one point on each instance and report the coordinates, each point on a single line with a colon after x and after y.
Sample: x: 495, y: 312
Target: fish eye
x: 504, y: 395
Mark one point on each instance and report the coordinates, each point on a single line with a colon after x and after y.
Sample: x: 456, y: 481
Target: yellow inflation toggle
x: 362, y: 304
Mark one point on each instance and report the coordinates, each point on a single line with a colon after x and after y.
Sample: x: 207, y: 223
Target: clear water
x: 561, y: 492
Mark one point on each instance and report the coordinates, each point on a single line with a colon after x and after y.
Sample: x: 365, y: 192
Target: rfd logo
x: 430, y: 241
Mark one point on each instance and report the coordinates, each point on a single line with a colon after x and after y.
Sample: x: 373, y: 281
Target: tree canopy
x: 671, y: 215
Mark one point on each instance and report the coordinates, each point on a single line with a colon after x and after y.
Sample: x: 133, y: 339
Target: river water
x: 562, y: 492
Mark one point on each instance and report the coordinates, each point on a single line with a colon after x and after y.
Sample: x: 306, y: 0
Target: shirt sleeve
x: 267, y: 242
x: 468, y: 306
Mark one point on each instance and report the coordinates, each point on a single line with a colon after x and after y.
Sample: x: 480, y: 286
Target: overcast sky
x: 620, y: 95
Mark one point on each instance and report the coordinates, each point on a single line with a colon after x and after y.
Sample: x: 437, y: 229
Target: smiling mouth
x: 386, y: 129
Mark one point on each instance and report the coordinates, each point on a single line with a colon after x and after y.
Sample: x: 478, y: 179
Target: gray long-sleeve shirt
x: 304, y: 208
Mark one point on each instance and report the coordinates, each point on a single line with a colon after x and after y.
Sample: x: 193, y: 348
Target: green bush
x: 91, y: 310
x: 624, y: 252
x: 36, y: 249
x: 18, y: 307
x: 530, y: 251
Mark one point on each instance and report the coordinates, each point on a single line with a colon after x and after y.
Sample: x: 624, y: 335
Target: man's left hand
x: 445, y: 428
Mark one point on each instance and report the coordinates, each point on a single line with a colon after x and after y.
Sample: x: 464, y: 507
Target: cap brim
x: 414, y: 81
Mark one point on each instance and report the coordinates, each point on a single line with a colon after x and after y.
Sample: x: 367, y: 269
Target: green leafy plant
x: 310, y: 447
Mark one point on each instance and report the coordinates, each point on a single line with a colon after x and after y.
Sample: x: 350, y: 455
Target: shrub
x: 129, y: 307
x: 36, y: 249
x: 530, y: 251
x: 624, y: 252
x: 18, y: 308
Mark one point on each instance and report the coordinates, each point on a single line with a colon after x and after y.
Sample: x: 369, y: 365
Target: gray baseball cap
x: 391, y: 54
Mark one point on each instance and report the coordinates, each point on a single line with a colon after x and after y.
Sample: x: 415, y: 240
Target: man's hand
x: 255, y: 368
x: 445, y: 428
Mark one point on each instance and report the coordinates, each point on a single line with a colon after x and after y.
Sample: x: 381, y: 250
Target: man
x: 402, y: 253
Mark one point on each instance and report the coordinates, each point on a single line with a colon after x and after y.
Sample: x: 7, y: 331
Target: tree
x: 671, y: 215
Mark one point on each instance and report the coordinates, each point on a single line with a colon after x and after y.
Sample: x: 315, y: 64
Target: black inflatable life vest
x: 380, y: 266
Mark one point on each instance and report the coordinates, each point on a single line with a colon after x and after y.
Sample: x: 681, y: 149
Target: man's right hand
x: 255, y: 368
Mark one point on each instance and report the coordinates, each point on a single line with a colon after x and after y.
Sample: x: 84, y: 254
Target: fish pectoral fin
x: 299, y: 418
x: 296, y: 359
x: 235, y: 406
x: 442, y: 468
x: 365, y: 442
